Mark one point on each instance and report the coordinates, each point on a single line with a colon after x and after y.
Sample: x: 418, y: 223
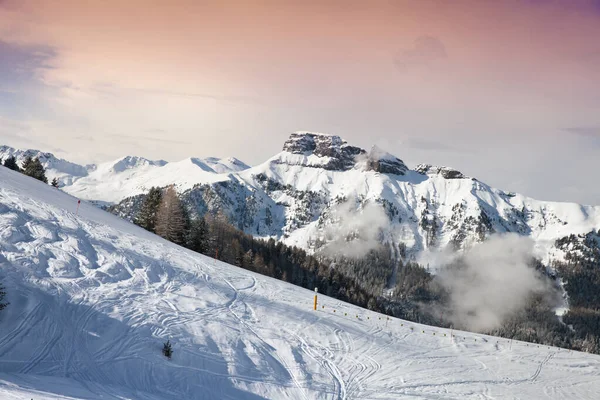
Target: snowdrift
x: 93, y: 298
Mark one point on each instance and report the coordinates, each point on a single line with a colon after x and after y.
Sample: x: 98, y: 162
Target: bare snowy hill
x: 93, y: 298
x: 113, y: 181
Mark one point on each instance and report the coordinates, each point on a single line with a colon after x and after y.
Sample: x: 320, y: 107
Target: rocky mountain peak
x: 446, y: 172
x: 385, y: 163
x: 130, y: 162
x: 320, y: 144
x: 334, y: 152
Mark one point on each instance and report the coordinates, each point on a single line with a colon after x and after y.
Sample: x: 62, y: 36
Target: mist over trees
x: 365, y: 281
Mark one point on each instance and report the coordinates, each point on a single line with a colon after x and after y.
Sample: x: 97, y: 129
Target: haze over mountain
x: 503, y: 90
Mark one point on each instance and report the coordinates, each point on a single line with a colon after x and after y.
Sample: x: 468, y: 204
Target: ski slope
x: 93, y: 298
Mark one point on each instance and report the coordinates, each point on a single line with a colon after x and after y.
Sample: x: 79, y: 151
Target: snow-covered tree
x: 11, y: 163
x: 33, y: 167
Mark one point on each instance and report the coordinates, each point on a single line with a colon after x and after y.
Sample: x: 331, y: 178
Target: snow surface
x: 93, y: 298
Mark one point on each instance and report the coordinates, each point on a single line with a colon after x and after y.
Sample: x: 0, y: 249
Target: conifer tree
x: 146, y: 217
x: 197, y: 236
x: 26, y: 163
x: 33, y: 167
x: 218, y: 227
x: 11, y: 163
x: 167, y: 349
x: 2, y: 295
x: 55, y: 182
x: 170, y: 218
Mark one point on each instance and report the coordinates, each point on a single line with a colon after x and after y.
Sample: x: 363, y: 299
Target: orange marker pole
x: 316, y: 291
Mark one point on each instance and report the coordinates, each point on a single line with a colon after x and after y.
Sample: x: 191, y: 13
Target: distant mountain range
x: 320, y: 188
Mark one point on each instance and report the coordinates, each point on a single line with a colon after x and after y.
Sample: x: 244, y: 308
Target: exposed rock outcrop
x: 333, y: 152
x: 385, y: 163
x: 446, y: 172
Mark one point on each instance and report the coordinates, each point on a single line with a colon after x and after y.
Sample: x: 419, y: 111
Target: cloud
x: 589, y: 133
x: 586, y: 131
x: 491, y: 282
x: 109, y: 73
x: 137, y: 139
x: 429, y: 144
x: 355, y: 228
x: 18, y: 134
x: 19, y: 64
x: 114, y: 91
x: 427, y: 50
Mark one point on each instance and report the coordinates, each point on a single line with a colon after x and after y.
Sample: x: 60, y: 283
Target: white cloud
x: 494, y: 280
x: 354, y: 228
x: 426, y: 51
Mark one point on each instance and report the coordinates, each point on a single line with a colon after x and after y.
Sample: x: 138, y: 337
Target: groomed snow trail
x: 93, y: 298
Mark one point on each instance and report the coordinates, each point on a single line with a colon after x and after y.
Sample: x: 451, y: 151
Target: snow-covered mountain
x: 111, y: 182
x: 304, y: 193
x: 94, y: 297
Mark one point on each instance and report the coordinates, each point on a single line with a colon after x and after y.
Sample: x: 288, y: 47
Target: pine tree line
x: 3, y: 304
x: 580, y: 272
x: 31, y: 167
x: 161, y: 212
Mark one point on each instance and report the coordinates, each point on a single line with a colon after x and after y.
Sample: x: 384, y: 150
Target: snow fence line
x: 440, y: 332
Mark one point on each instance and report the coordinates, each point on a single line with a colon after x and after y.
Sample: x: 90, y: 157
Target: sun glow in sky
x: 507, y: 91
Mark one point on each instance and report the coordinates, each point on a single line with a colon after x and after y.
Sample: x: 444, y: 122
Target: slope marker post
x: 78, y: 203
x: 315, y: 306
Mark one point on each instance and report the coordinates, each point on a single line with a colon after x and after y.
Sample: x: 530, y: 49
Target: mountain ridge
x: 292, y: 196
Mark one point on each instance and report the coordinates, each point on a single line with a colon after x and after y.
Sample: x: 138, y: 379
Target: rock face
x: 385, y: 163
x: 447, y: 173
x: 333, y: 152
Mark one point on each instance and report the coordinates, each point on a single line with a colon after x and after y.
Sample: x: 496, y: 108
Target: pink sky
x: 433, y: 81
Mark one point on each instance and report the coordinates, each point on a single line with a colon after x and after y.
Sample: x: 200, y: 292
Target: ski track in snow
x: 93, y: 298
